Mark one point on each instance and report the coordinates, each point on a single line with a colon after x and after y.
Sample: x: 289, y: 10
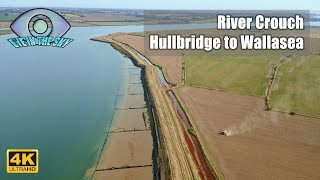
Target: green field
x: 297, y: 86
x: 242, y: 74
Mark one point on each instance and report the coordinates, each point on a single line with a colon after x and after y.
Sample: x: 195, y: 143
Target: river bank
x: 127, y: 151
x: 177, y: 161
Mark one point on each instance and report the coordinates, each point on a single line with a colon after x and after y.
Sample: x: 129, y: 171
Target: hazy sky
x: 169, y: 4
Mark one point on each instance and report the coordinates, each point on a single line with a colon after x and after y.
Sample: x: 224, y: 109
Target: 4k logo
x: 22, y: 161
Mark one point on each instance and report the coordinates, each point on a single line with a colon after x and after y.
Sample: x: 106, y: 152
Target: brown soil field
x: 261, y: 144
x: 313, y: 45
x: 5, y: 24
x: 315, y: 32
x: 172, y: 64
x: 125, y: 174
x: 3, y: 32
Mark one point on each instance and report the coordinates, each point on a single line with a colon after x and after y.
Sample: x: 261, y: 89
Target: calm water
x: 59, y: 101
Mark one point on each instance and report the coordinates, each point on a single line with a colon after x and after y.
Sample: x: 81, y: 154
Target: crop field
x: 296, y: 88
x: 286, y: 145
x: 260, y: 144
x: 242, y: 74
x: 255, y: 139
x: 5, y: 24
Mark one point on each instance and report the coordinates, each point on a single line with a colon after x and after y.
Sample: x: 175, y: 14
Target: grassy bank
x: 296, y: 88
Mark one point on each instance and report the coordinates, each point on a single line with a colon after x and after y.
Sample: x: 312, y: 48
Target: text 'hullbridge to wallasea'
x: 243, y: 41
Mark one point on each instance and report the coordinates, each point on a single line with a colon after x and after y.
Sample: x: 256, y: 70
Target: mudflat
x: 128, y: 150
x: 135, y: 122
x: 260, y: 144
x: 133, y: 101
x: 125, y: 174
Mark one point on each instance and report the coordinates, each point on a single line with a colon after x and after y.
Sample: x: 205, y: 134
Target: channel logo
x: 22, y: 161
x: 40, y: 27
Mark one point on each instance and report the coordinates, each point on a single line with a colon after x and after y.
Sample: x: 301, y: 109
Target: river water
x: 59, y: 101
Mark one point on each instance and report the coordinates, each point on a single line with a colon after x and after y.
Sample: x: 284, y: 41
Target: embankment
x: 174, y: 158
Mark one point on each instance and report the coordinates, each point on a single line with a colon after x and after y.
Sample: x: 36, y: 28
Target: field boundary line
x: 296, y: 114
x: 268, y: 90
x: 184, y: 71
x: 222, y: 90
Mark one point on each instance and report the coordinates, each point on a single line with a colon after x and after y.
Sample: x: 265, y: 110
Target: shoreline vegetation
x: 175, y: 159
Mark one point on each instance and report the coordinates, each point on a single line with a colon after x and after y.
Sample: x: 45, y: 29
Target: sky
x: 170, y: 4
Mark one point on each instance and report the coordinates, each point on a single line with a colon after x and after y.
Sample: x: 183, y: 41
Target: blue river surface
x: 59, y: 101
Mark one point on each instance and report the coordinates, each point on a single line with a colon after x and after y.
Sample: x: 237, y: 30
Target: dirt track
x: 264, y: 144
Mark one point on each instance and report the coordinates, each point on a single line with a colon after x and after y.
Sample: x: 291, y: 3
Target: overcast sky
x: 169, y: 4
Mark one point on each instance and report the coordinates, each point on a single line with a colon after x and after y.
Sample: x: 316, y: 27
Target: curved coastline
x: 127, y: 148
x: 167, y: 167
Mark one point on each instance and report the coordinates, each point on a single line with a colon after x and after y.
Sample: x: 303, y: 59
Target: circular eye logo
x: 40, y: 27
